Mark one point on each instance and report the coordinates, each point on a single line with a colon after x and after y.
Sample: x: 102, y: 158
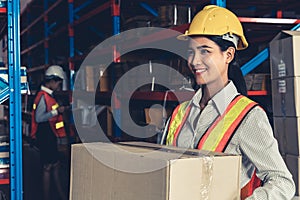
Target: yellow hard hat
x: 215, y: 20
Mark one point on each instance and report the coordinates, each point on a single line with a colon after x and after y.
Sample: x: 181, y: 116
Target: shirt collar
x: 49, y: 91
x: 220, y: 100
x: 197, y: 97
x: 223, y: 98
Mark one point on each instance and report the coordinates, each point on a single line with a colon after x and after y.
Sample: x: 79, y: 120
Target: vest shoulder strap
x: 178, y: 118
x: 219, y: 134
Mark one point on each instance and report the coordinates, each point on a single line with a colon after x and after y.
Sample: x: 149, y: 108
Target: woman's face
x: 208, y: 63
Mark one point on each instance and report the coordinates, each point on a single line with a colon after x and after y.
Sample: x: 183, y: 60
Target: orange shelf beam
x: 3, y: 10
x: 4, y: 181
x: 269, y: 20
x: 258, y: 93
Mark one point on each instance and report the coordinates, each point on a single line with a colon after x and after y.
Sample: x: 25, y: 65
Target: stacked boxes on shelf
x: 168, y: 15
x: 4, y: 160
x: 257, y: 81
x: 172, y: 15
x: 285, y: 72
x: 103, y: 78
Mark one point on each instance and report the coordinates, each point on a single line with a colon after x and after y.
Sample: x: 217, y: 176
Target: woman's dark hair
x: 234, y: 70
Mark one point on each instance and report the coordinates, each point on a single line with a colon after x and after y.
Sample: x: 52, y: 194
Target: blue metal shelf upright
x: 15, y: 118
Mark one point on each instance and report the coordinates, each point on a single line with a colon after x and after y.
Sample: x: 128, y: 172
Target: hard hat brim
x: 242, y: 44
x: 183, y: 37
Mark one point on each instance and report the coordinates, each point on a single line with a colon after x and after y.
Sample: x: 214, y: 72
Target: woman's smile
x: 199, y: 71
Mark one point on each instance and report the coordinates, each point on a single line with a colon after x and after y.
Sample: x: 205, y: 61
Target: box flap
x: 184, y: 151
x: 129, y: 159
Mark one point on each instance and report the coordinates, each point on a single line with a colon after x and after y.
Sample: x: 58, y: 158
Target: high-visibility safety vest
x: 56, y: 122
x: 219, y: 134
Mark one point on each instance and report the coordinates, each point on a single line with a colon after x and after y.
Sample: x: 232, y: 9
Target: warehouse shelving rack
x: 72, y: 22
x: 4, y: 85
x: 12, y: 9
x: 76, y: 17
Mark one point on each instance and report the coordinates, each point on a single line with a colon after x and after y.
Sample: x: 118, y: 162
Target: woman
x: 46, y: 126
x: 219, y: 118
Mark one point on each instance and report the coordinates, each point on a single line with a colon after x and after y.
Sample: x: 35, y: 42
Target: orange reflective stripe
x: 218, y: 135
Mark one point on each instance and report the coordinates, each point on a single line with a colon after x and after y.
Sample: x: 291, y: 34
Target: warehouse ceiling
x: 250, y: 8
x: 257, y: 33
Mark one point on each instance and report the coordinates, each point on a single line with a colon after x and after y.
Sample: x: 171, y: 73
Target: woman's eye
x: 190, y: 53
x: 203, y: 51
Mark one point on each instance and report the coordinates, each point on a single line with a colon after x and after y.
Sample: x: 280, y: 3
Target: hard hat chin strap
x: 231, y: 38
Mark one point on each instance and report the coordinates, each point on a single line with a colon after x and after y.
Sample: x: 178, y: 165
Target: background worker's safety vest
x: 56, y: 122
x: 218, y: 136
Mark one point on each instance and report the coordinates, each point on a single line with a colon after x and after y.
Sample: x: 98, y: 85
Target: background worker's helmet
x: 54, y: 72
x: 215, y: 20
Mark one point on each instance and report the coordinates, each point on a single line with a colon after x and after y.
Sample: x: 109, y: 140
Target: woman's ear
x: 230, y: 52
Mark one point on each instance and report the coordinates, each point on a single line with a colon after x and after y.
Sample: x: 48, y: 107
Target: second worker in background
x: 47, y: 127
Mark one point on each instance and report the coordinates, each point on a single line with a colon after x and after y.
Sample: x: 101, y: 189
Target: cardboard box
x: 155, y: 116
x: 105, y: 83
x: 287, y: 133
x: 293, y: 163
x: 147, y: 171
x: 95, y: 77
x: 260, y: 82
x: 249, y: 81
x: 172, y: 15
x: 285, y: 97
x: 104, y: 79
x: 90, y: 78
x: 280, y: 134
x: 257, y: 81
x: 284, y: 55
x: 109, y: 121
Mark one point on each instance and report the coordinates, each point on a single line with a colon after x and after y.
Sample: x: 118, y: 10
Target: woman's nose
x: 196, y: 63
x: 196, y: 60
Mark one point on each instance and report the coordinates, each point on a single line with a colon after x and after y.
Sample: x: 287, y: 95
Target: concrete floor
x: 32, y: 175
